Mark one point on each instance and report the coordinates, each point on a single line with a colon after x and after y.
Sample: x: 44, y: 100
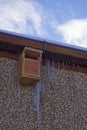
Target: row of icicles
x: 40, y: 88
x: 61, y: 64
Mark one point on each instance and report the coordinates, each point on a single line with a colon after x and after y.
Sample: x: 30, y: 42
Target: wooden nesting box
x: 29, y: 66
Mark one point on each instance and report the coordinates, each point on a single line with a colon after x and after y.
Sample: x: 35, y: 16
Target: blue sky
x: 58, y: 20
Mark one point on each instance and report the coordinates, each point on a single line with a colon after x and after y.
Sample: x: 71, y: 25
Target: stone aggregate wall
x: 57, y: 102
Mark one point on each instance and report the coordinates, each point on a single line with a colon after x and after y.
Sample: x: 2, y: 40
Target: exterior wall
x: 57, y: 102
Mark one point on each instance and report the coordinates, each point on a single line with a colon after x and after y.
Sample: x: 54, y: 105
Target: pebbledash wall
x: 57, y: 102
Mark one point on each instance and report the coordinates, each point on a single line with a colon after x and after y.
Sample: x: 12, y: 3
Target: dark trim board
x: 14, y: 44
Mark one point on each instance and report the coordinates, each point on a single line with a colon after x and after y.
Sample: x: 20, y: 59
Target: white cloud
x: 74, y: 32
x: 25, y: 16
x: 30, y: 17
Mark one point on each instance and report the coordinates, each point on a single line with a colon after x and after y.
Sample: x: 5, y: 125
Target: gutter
x: 20, y: 41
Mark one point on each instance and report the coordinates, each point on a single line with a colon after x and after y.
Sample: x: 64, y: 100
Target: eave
x: 15, y: 43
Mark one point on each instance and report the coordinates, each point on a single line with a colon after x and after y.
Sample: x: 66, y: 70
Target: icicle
x: 66, y: 64
x: 40, y: 58
x: 63, y: 64
x: 38, y: 90
x: 48, y: 67
x: 37, y: 98
x: 78, y: 66
x: 19, y: 91
x: 73, y: 65
x: 58, y: 65
x: 69, y: 64
x: 51, y: 72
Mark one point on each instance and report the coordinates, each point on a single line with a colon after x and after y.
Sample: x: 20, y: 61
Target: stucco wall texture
x: 57, y: 102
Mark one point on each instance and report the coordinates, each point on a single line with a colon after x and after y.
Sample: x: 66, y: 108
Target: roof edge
x: 17, y: 42
x: 39, y: 39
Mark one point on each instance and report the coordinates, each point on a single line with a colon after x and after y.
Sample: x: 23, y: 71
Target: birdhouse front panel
x: 29, y: 66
